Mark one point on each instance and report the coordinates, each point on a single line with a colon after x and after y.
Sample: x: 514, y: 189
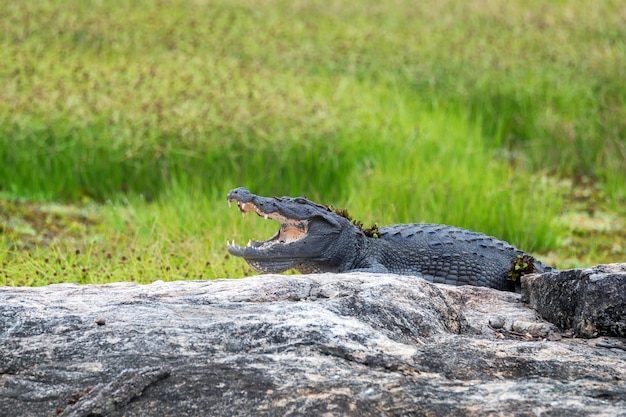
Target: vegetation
x: 124, y: 124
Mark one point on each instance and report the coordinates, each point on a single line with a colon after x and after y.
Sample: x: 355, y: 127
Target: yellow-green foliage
x: 114, y: 96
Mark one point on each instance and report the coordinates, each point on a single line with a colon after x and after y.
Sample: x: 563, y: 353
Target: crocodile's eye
x: 300, y: 200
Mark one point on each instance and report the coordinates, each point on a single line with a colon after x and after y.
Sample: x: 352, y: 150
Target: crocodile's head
x: 311, y: 238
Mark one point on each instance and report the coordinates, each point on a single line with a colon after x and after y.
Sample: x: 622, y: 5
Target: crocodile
x: 315, y: 238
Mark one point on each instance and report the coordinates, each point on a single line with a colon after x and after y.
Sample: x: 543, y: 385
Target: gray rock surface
x: 323, y: 345
x: 591, y: 301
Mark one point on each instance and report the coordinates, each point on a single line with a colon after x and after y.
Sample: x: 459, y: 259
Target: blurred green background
x: 123, y: 125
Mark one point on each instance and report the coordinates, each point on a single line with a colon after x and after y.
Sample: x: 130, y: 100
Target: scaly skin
x: 313, y: 238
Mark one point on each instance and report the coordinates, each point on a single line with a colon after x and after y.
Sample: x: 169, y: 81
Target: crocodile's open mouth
x: 290, y: 231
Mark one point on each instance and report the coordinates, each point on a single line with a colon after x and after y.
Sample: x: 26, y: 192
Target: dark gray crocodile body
x: 313, y: 238
x: 446, y: 254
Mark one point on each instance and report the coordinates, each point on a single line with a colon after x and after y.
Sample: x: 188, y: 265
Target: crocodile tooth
x: 249, y: 243
x: 265, y: 216
x: 230, y: 203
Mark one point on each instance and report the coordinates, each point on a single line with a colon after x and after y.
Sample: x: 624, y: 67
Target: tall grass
x: 132, y: 79
x: 456, y: 181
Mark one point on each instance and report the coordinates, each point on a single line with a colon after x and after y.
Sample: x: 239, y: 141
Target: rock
x: 591, y: 301
x: 328, y: 345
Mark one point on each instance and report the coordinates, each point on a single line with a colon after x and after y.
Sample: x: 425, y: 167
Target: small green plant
x: 521, y: 265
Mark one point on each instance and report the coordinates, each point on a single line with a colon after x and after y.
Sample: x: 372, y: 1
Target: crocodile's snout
x: 240, y: 194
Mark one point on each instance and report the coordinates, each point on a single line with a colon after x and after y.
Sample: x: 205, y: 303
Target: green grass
x: 467, y: 113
